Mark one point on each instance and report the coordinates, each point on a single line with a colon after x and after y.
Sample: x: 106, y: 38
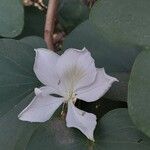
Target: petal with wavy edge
x: 85, y: 122
x: 98, y: 88
x: 40, y: 109
x: 44, y: 66
x: 76, y: 69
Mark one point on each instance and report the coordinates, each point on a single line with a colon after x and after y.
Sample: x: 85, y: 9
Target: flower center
x: 70, y: 96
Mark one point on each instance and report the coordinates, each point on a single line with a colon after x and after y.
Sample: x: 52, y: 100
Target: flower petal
x: 76, y: 69
x: 40, y: 109
x: 47, y: 90
x: 44, y: 66
x: 85, y: 122
x: 98, y: 88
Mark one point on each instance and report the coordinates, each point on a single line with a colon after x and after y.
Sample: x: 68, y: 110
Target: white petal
x: 85, y: 122
x: 40, y: 109
x: 98, y: 88
x: 44, y: 66
x: 76, y: 69
x: 47, y: 90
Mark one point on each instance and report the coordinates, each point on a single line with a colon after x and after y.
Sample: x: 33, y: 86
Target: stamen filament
x: 63, y: 108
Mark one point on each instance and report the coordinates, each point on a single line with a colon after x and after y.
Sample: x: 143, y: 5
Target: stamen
x: 74, y: 99
x: 71, y: 96
x: 63, y: 109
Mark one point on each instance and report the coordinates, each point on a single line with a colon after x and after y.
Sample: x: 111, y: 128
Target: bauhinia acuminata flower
x: 72, y: 76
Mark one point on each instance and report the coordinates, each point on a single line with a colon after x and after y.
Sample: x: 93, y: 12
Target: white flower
x: 72, y: 75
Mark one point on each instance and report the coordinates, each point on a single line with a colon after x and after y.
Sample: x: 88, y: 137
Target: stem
x: 50, y: 23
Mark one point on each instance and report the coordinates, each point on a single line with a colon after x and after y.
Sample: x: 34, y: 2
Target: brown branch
x: 50, y: 23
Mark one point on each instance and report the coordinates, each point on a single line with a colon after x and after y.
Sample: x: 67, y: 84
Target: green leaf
x: 71, y: 13
x: 11, y: 18
x: 17, y: 78
x: 124, y: 21
x: 116, y: 130
x: 57, y: 136
x: 15, y: 134
x: 17, y: 82
x: 116, y: 59
x: 139, y: 92
x: 34, y: 41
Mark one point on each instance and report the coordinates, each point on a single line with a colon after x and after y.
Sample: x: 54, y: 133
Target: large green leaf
x: 116, y: 59
x: 116, y: 131
x: 17, y: 78
x: 15, y: 134
x: 139, y: 92
x: 11, y: 18
x: 124, y: 21
x: 17, y: 82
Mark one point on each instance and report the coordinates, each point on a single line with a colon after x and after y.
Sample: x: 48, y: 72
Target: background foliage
x: 117, y: 33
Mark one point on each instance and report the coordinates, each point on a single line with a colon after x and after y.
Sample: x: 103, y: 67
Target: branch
x: 50, y: 23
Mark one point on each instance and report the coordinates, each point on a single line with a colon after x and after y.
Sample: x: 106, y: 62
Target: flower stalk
x: 50, y: 23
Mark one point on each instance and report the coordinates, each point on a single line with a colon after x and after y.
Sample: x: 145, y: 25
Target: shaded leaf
x: 116, y: 130
x: 34, y: 22
x: 139, y: 92
x: 119, y: 90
